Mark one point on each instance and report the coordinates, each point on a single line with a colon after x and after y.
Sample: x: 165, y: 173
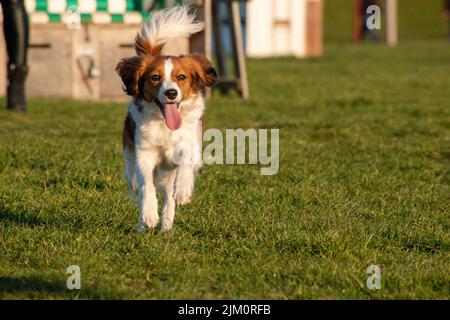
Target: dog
x: 160, y: 136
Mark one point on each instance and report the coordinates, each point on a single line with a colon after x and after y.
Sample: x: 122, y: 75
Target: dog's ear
x: 203, y: 69
x: 131, y: 71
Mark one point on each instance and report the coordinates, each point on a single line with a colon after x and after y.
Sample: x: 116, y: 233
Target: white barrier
x: 284, y: 28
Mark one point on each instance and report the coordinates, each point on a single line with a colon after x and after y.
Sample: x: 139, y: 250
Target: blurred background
x: 88, y: 37
x: 364, y: 134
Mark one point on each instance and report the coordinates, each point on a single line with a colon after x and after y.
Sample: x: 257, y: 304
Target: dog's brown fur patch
x: 128, y: 133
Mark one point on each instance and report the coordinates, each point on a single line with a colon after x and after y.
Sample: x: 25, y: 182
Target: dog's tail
x: 167, y: 24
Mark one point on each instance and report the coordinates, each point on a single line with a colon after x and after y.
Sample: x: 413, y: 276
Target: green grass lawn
x: 364, y: 179
x: 418, y: 20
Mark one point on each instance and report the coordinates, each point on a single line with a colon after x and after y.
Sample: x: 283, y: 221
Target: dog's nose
x: 171, y: 94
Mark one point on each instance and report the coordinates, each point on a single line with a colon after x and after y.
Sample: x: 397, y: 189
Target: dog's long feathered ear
x: 131, y: 71
x: 203, y: 69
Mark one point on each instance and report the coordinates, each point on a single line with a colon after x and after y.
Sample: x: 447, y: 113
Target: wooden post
x: 357, y: 21
x: 208, y: 37
x: 391, y: 22
x: 202, y: 42
x: 314, y: 28
x: 208, y: 28
x: 3, y: 59
x: 236, y: 31
x: 220, y: 50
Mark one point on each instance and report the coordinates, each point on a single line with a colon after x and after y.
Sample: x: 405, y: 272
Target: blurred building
x: 79, y: 42
x: 284, y: 28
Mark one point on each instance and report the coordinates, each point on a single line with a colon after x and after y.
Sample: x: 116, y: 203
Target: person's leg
x: 15, y: 27
x: 371, y: 34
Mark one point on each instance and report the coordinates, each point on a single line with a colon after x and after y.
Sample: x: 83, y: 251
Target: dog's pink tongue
x: 173, y: 117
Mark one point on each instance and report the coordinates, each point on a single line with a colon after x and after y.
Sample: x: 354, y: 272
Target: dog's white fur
x: 152, y: 164
x: 168, y: 24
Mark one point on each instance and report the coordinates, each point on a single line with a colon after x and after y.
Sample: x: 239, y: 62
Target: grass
x: 417, y: 20
x: 364, y: 179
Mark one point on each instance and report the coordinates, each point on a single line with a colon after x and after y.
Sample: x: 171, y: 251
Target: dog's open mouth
x: 171, y: 114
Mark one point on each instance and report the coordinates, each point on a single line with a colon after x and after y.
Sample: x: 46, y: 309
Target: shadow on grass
x: 32, y: 286
x: 20, y: 218
x: 31, y: 220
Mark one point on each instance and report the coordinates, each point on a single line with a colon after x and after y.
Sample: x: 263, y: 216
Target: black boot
x: 16, y: 88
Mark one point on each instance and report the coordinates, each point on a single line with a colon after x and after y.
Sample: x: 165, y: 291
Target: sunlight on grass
x: 364, y: 179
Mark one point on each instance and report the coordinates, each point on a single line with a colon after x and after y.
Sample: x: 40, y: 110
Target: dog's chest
x: 153, y: 135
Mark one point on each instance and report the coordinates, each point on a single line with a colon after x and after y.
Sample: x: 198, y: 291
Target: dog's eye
x: 181, y: 77
x: 156, y: 77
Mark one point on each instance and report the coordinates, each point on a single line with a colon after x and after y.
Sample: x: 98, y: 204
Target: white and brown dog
x: 163, y: 116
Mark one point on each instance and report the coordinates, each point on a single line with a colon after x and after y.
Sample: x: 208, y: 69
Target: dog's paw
x: 150, y: 220
x: 183, y: 197
x: 166, y: 225
x: 183, y: 193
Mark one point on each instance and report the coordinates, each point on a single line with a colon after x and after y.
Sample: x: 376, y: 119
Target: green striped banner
x: 41, y: 5
x: 54, y: 18
x: 130, y: 5
x: 102, y: 5
x: 113, y: 6
x: 85, y: 17
x: 116, y: 18
x: 127, y: 18
x: 98, y: 11
x: 70, y: 3
x: 162, y: 3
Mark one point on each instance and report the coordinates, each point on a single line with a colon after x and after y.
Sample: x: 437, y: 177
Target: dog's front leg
x: 148, y: 203
x: 184, y: 184
x: 168, y: 212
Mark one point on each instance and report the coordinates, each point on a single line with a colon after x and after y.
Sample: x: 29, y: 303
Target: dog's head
x: 166, y: 80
